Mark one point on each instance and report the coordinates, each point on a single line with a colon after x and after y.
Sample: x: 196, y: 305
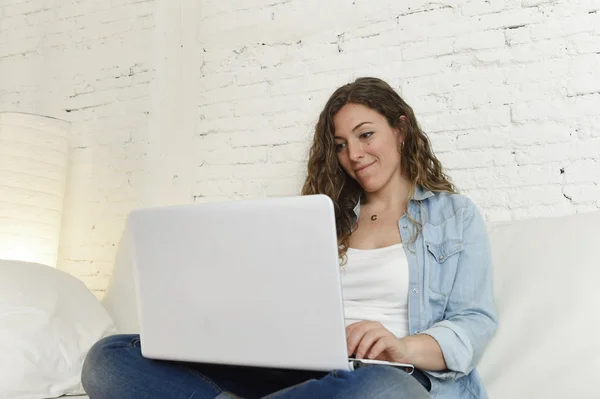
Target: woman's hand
x: 371, y: 340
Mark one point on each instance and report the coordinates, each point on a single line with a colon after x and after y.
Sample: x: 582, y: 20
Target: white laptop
x: 249, y: 283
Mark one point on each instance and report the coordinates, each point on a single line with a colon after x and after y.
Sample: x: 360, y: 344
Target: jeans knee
x: 385, y: 381
x: 101, y: 363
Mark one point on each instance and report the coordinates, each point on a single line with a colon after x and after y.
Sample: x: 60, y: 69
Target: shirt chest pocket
x: 442, y: 263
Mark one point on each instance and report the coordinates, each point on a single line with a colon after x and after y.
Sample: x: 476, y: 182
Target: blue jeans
x: 115, y: 368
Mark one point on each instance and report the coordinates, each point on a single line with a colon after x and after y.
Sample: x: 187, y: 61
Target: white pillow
x: 48, y: 322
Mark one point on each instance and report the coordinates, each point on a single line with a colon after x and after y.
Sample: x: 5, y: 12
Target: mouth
x: 362, y: 168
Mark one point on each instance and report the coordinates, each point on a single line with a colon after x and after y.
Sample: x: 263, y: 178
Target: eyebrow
x: 355, y: 127
x: 360, y: 124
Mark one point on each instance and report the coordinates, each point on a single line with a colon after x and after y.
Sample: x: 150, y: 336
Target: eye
x: 339, y: 147
x: 366, y: 135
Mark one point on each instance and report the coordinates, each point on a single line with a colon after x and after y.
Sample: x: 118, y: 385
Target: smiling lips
x: 362, y: 168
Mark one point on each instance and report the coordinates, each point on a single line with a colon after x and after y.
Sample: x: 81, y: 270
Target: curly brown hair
x: 325, y: 174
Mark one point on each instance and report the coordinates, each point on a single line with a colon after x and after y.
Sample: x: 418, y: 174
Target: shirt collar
x: 419, y: 195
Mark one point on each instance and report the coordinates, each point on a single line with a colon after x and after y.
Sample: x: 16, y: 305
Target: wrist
x: 404, y: 350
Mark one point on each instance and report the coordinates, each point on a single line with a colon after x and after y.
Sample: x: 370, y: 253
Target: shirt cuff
x: 448, y: 341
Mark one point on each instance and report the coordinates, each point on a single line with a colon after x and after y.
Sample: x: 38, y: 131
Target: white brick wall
x: 88, y: 62
x: 508, y: 90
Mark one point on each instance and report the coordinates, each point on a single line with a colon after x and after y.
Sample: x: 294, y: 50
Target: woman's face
x: 367, y: 146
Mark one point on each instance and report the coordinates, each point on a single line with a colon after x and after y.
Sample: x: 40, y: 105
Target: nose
x: 355, y: 151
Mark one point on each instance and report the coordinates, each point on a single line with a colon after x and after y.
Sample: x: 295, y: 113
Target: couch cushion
x: 546, y: 276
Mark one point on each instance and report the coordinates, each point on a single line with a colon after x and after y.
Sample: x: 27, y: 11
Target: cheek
x: 347, y: 166
x: 344, y: 162
x: 387, y: 153
x: 376, y: 149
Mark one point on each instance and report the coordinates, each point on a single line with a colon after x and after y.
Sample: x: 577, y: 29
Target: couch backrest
x: 546, y: 282
x: 120, y: 299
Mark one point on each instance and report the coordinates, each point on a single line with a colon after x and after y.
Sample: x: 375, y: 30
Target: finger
x: 354, y: 335
x: 379, y: 347
x: 368, y: 340
x: 358, y: 331
x: 351, y: 327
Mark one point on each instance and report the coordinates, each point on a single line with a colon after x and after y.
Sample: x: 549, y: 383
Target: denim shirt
x: 450, y: 287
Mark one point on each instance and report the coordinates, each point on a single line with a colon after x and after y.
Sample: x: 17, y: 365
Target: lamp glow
x: 33, y: 171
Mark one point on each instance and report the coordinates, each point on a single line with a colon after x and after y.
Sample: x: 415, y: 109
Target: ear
x: 400, y: 129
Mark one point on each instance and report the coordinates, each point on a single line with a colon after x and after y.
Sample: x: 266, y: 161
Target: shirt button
x: 441, y: 257
x: 416, y: 290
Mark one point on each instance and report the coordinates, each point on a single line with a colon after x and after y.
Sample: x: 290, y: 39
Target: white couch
x: 546, y: 278
x: 547, y: 288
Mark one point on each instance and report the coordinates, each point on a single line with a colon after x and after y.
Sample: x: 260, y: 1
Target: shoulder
x: 442, y: 206
x: 455, y: 201
x: 454, y: 215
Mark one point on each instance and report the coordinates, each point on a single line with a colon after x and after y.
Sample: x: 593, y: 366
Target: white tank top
x: 375, y: 287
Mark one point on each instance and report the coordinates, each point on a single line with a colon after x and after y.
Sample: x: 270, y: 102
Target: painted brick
x: 533, y: 3
x: 518, y: 35
x: 428, y: 49
x: 585, y: 43
x: 507, y: 91
x: 583, y: 75
x: 582, y: 171
x: 480, y: 40
x: 580, y: 149
x: 557, y: 109
x: 515, y: 136
x: 266, y: 137
x: 477, y: 158
x: 535, y: 195
x: 294, y: 152
x: 564, y: 27
x: 506, y: 19
x: 539, y: 50
x: 489, y: 198
x: 471, y: 8
x: 543, y: 211
x: 241, y: 155
x: 497, y: 214
x: 284, y: 187
x: 466, y: 119
x: 579, y: 194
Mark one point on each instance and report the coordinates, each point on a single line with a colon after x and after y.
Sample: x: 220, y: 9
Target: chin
x: 369, y: 185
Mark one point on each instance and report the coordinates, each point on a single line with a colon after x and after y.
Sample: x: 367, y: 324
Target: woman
x: 416, y: 273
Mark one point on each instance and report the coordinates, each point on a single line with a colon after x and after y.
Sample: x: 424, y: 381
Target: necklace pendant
x: 374, y: 217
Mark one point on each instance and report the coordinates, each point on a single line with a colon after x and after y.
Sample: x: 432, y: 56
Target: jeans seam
x: 205, y: 378
x: 111, y: 345
x: 231, y: 394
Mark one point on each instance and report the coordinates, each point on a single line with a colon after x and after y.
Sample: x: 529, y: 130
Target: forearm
x: 424, y: 352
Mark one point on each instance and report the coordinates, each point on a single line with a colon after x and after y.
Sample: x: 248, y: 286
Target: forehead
x: 352, y: 115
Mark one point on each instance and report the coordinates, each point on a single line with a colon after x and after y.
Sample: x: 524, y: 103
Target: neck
x: 392, y: 196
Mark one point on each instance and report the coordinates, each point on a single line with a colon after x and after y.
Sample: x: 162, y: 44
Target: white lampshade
x: 33, y: 170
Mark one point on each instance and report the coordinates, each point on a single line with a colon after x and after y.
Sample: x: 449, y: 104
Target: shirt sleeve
x: 470, y: 319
